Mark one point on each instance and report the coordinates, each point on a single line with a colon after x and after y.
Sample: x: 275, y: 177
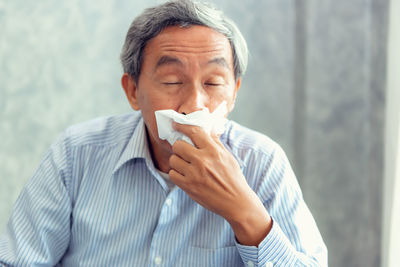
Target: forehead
x: 193, y: 42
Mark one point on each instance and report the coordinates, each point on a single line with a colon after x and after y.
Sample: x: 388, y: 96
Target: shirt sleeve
x: 38, y: 230
x: 294, y: 239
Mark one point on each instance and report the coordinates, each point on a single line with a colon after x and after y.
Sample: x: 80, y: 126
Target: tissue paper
x: 211, y: 122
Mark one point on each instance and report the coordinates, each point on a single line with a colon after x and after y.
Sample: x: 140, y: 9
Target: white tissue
x: 211, y: 122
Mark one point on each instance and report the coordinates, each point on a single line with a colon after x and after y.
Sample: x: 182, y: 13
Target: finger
x: 184, y: 150
x: 176, y: 177
x: 216, y: 137
x: 178, y: 164
x: 198, y: 136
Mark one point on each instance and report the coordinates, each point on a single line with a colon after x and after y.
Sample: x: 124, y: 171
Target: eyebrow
x: 220, y: 61
x: 167, y: 60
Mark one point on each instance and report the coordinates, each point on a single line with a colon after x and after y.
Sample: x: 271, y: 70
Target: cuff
x: 274, y: 250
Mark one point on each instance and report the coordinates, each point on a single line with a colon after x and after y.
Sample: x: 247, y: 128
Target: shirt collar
x: 137, y: 146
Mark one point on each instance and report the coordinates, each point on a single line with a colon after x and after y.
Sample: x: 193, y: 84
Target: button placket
x: 158, y: 260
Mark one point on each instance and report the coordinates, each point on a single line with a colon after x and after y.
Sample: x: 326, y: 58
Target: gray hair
x: 183, y: 13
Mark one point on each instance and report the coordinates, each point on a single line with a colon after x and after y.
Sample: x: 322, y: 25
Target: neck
x: 159, y: 155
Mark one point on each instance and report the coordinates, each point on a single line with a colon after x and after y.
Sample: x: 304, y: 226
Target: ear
x: 130, y: 88
x: 232, y: 103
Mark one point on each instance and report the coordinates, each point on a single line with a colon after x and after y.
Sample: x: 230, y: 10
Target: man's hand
x: 211, y: 176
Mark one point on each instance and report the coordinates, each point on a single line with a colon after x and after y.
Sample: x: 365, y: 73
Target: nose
x: 193, y: 99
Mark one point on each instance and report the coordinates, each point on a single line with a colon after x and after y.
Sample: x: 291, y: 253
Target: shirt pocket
x: 199, y: 257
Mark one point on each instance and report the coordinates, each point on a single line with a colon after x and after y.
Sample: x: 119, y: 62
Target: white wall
x: 391, y: 231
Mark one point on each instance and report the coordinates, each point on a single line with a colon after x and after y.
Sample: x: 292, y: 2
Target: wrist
x: 251, y: 224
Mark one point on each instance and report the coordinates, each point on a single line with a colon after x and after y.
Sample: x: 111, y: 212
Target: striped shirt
x: 96, y: 199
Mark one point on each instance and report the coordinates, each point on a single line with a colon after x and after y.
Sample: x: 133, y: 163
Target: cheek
x: 227, y: 94
x: 148, y: 102
x: 230, y: 98
x: 164, y: 102
x: 157, y: 99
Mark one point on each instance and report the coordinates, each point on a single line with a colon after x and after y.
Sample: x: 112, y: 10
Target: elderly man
x: 111, y: 192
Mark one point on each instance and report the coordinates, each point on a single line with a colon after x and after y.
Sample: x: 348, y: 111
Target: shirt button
x: 250, y: 264
x: 269, y: 264
x: 158, y: 260
x: 168, y: 202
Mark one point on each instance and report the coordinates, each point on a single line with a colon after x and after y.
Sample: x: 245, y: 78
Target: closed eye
x: 214, y: 84
x: 174, y: 83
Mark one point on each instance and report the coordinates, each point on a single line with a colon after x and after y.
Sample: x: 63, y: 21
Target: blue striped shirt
x: 96, y: 199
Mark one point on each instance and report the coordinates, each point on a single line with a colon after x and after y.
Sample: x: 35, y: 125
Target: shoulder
x: 258, y: 154
x: 104, y: 131
x: 241, y: 139
x: 265, y: 164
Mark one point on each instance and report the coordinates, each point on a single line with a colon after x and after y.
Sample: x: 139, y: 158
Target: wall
x: 391, y: 199
x: 315, y: 84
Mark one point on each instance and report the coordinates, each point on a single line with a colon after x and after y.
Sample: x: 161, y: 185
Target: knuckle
x: 196, y: 159
x: 176, y: 146
x: 172, y: 175
x: 172, y: 159
x: 195, y: 129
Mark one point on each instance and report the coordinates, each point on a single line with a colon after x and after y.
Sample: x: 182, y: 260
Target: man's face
x: 184, y: 69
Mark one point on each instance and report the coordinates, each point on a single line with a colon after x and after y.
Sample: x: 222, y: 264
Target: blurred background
x: 323, y: 81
